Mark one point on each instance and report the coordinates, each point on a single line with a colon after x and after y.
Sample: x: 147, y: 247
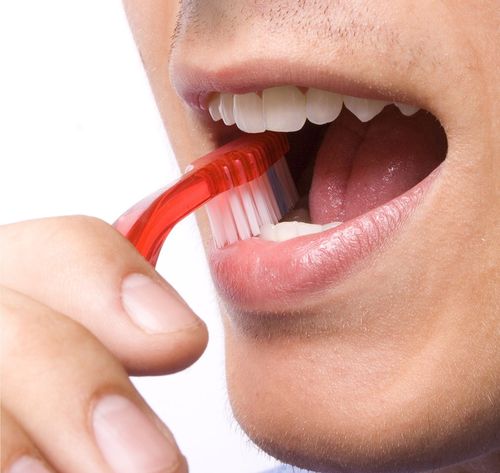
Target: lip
x: 196, y: 84
x: 262, y: 276
x: 258, y: 276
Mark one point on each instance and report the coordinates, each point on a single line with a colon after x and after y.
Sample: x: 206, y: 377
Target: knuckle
x: 31, y: 330
x: 41, y: 344
x: 78, y: 241
x: 77, y: 226
x: 83, y: 236
x: 79, y: 231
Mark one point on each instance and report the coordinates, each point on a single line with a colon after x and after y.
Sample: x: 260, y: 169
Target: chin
x: 337, y: 403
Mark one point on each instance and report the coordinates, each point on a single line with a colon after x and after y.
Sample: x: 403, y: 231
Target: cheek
x: 153, y: 23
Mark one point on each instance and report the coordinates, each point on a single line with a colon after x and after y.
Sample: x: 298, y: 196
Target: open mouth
x: 361, y: 167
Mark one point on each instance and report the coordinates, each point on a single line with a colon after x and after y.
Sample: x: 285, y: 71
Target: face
x: 375, y: 345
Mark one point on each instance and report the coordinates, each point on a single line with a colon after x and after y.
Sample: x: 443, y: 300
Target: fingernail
x: 129, y: 440
x: 27, y: 464
x: 154, y: 308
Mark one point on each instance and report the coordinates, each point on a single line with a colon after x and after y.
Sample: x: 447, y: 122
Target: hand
x: 80, y: 311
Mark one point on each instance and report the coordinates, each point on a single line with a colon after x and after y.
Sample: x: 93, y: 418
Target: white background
x: 80, y: 133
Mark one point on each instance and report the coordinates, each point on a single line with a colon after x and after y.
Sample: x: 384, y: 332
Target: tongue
x: 360, y: 166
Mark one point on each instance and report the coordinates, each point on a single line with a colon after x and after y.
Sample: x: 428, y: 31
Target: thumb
x: 82, y: 267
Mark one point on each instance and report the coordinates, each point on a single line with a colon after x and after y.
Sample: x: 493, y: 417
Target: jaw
x: 406, y: 373
x: 343, y: 409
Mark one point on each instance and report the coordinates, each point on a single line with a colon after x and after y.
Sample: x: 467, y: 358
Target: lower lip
x: 256, y: 275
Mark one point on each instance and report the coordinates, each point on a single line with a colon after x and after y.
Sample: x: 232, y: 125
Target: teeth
x: 248, y: 113
x: 267, y: 232
x: 308, y: 228
x: 406, y: 109
x: 226, y: 108
x: 287, y: 230
x: 213, y: 108
x: 322, y: 106
x: 331, y: 225
x: 286, y: 108
x: 364, y: 109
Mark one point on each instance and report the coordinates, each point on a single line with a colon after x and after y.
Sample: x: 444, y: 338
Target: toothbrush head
x: 245, y: 184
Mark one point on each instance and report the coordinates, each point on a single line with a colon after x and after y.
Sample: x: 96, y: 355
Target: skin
x: 395, y: 382
x: 405, y: 374
x: 54, y: 331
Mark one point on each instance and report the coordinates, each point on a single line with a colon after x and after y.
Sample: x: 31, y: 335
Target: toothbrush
x: 244, y: 185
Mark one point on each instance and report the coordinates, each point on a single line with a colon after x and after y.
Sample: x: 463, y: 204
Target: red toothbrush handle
x: 147, y: 224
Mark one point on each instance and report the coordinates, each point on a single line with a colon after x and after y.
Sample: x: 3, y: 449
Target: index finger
x: 82, y: 267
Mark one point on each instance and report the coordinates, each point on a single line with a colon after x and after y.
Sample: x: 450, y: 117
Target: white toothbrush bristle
x: 227, y: 220
x: 215, y: 220
x: 241, y: 212
x: 250, y: 209
x: 239, y: 215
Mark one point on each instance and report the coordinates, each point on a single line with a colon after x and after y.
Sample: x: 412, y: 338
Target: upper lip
x: 195, y: 83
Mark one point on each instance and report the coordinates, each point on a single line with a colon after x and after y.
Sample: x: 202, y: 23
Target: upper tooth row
x: 286, y: 108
